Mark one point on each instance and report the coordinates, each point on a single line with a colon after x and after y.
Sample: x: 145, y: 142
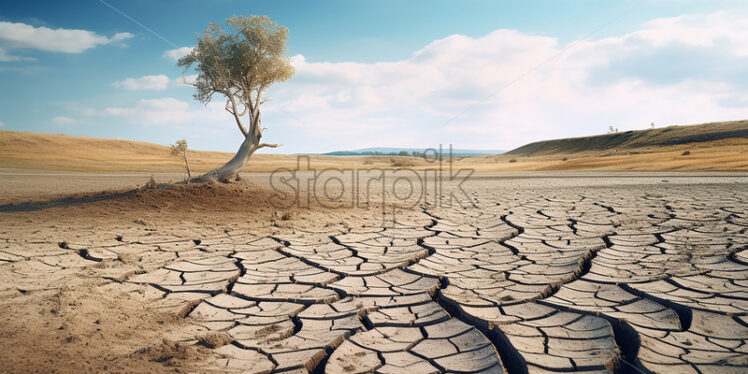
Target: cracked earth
x: 631, y: 278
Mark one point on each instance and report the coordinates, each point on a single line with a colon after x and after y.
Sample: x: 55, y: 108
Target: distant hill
x: 712, y: 146
x: 707, y: 147
x: 637, y: 140
x: 393, y: 151
x: 28, y: 150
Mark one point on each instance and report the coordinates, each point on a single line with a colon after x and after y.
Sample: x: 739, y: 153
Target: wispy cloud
x: 63, y: 120
x: 176, y: 54
x: 148, y: 82
x: 164, y: 111
x: 5, y: 57
x: 15, y: 36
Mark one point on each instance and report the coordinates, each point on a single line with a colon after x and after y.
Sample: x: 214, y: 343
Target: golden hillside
x: 712, y: 146
x: 27, y: 150
x: 715, y: 146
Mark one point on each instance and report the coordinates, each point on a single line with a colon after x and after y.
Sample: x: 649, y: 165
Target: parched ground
x: 595, y: 273
x: 708, y: 147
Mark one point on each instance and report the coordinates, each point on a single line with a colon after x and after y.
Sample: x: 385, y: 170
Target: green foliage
x: 242, y: 61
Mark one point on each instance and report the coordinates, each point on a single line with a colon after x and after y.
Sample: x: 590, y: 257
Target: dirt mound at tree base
x: 203, y: 197
x: 174, y: 198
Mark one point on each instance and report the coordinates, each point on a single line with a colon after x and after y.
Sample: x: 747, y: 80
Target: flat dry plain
x: 530, y: 272
x: 52, y: 152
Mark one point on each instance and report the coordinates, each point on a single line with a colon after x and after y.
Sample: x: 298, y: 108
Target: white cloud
x: 22, y: 36
x: 611, y: 81
x: 120, y: 36
x: 148, y: 82
x: 63, y: 120
x: 176, y: 54
x: 698, y: 30
x: 2, y: 124
x: 118, y: 111
x: 5, y: 57
x: 167, y: 110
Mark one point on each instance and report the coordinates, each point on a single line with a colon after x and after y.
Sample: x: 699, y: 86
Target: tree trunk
x: 187, y: 167
x: 229, y: 171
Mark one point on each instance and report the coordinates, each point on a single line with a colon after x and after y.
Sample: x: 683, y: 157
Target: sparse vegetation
x: 179, y: 149
x: 685, y: 153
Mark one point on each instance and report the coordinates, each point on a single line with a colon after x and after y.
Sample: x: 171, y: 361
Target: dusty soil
x: 538, y: 273
x: 64, y: 314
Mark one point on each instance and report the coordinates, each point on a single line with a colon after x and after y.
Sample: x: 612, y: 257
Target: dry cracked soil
x: 594, y: 274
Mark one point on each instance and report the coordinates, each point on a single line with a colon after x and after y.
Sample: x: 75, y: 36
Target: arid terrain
x: 539, y: 272
x: 106, y: 266
x: 719, y: 146
x: 374, y: 187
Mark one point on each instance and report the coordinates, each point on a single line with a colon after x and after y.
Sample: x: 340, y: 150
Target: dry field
x: 721, y: 146
x: 531, y: 272
x: 568, y: 255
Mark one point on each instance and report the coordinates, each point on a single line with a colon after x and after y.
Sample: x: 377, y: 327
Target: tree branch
x: 236, y: 117
x: 255, y: 114
x: 259, y: 92
x: 262, y: 145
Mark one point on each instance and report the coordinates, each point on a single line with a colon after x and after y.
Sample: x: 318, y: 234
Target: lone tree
x: 239, y: 63
x: 179, y: 149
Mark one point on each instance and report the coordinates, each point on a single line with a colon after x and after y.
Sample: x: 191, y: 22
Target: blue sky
x: 384, y: 73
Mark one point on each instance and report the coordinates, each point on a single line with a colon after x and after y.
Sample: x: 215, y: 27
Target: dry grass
x: 636, y: 140
x: 722, y: 155
x: 24, y: 150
